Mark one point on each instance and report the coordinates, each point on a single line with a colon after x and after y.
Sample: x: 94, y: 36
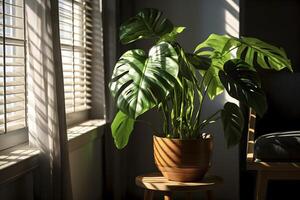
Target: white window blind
x: 12, y: 66
x: 76, y: 46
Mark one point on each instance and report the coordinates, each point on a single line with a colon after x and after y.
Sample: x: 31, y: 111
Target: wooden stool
x: 156, y: 182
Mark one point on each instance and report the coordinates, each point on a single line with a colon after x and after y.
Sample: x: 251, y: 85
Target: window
x: 82, y: 59
x: 76, y: 46
x: 12, y: 66
x: 81, y: 42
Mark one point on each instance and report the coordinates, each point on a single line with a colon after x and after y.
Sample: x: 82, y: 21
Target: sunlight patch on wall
x: 234, y: 5
x: 232, y: 27
x: 232, y: 24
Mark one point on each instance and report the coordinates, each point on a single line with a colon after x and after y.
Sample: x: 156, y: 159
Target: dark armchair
x: 274, y: 156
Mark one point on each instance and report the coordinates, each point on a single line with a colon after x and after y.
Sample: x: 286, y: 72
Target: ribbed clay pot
x: 182, y: 160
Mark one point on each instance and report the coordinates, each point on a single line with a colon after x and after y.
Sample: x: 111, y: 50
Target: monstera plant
x: 176, y: 82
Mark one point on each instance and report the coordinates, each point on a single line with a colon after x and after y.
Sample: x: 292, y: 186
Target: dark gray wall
x: 22, y: 188
x: 277, y: 22
x: 86, y: 164
x: 278, y: 26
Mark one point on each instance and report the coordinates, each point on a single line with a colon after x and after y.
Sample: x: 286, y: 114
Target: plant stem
x: 198, y: 117
x: 175, y: 113
x: 202, y: 81
x: 201, y: 103
x: 181, y: 110
x: 209, y: 119
x: 231, y: 50
x: 202, y: 126
x: 213, y: 115
x: 166, y: 119
x: 200, y: 99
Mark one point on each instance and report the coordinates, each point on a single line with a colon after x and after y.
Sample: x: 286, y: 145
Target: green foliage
x: 176, y: 82
x: 139, y: 81
x: 214, y: 42
x: 146, y: 24
x: 243, y: 84
x: 212, y: 82
x: 267, y: 56
x: 198, y: 61
x: 233, y: 122
x: 171, y: 37
x: 214, y: 48
x: 121, y: 129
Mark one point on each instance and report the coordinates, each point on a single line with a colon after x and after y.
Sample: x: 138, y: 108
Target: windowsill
x: 21, y: 159
x: 17, y: 161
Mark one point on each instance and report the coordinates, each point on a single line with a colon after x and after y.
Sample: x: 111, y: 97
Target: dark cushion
x: 278, y: 147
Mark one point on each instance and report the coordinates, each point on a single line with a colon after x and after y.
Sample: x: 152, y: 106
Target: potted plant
x: 176, y: 83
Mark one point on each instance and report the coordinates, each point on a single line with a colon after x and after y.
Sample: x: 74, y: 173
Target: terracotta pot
x: 182, y: 160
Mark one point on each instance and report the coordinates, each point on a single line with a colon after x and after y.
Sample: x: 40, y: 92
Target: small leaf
x: 233, y: 123
x: 121, y: 129
x: 148, y: 23
x: 215, y: 42
x: 199, y: 61
x: 212, y: 81
x: 243, y: 84
x: 171, y: 37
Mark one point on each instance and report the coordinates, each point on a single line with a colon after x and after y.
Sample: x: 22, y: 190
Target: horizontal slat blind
x: 76, y: 53
x: 12, y: 66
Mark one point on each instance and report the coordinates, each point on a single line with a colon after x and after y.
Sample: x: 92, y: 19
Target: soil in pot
x: 182, y: 160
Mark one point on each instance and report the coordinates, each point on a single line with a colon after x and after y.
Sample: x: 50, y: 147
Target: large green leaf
x: 243, y: 84
x: 140, y: 82
x: 233, y: 123
x: 146, y: 24
x: 121, y: 129
x: 253, y: 51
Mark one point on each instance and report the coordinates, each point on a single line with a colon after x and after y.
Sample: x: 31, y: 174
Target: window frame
x: 13, y: 138
x: 20, y: 136
x: 98, y: 109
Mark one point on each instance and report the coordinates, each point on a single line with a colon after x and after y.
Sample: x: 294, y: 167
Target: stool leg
x: 261, y: 186
x: 168, y: 196
x: 188, y: 196
x: 148, y: 194
x: 209, y: 195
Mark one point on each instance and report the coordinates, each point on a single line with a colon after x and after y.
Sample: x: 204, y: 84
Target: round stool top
x: 155, y: 181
